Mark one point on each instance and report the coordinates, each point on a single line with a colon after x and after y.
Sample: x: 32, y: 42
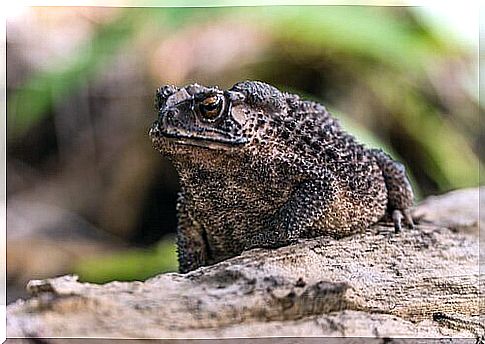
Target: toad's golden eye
x: 212, y: 106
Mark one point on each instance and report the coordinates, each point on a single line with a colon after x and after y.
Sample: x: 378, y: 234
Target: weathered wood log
x: 417, y: 283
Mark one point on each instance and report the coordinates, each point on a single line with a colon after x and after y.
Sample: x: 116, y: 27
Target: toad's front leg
x: 192, y: 245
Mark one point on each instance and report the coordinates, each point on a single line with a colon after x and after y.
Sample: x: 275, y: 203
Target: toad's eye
x: 212, y: 106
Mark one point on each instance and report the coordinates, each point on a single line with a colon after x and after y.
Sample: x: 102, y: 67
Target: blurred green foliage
x: 130, y: 265
x: 48, y: 86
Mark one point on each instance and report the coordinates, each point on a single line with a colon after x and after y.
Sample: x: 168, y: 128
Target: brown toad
x: 262, y: 168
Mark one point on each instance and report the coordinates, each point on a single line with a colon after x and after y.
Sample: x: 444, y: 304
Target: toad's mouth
x: 197, y: 137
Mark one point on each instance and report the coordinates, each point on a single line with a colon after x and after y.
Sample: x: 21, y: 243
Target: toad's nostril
x: 162, y: 95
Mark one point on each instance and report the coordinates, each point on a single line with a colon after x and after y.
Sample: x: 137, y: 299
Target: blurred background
x: 87, y: 194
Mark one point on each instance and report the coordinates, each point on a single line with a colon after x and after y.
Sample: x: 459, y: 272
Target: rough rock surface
x: 417, y: 283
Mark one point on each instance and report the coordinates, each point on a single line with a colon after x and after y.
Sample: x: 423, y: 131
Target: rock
x: 417, y: 283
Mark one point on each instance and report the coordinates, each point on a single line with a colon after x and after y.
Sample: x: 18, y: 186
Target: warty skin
x: 263, y: 168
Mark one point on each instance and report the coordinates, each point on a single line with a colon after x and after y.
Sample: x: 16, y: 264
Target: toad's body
x: 262, y: 168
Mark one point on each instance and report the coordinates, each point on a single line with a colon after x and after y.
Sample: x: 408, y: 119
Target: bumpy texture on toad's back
x: 262, y: 168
